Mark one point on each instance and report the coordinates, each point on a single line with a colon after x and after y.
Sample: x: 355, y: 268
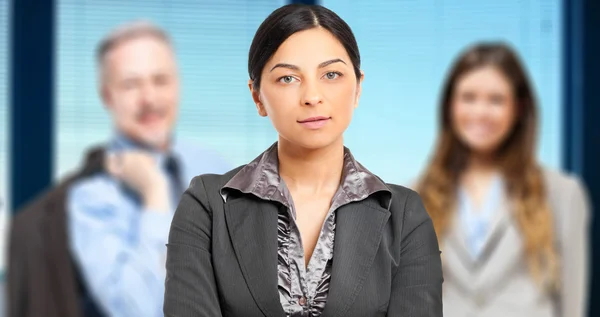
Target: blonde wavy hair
x: 516, y: 158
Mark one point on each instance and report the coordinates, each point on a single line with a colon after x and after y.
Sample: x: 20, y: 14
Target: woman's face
x: 309, y: 89
x: 483, y: 109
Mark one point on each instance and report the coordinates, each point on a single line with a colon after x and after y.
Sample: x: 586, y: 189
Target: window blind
x: 4, y: 114
x: 5, y: 212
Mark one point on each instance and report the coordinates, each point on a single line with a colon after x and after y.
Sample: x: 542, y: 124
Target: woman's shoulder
x: 216, y: 179
x: 407, y: 203
x: 409, y: 219
x: 567, y: 197
x: 210, y: 184
x: 400, y: 192
x: 561, y: 184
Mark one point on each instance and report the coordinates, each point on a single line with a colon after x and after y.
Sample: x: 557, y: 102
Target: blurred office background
x: 406, y: 48
x: 50, y: 112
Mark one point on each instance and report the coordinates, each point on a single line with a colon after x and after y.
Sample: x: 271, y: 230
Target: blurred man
x: 118, y: 221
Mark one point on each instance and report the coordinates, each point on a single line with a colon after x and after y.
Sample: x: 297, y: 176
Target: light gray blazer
x: 500, y: 285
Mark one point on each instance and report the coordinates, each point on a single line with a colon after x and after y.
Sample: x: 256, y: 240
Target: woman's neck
x: 311, y: 171
x: 478, y: 175
x: 482, y: 164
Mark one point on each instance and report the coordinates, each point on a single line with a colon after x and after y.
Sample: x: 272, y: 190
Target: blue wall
x: 582, y: 112
x: 32, y: 99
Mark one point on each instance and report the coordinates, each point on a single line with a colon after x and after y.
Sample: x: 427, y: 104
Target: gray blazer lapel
x: 459, y: 264
x: 500, y: 215
x: 483, y: 274
x: 503, y: 252
x: 496, y: 230
x: 495, y: 233
x: 359, y: 228
x: 252, y: 226
x: 456, y: 257
x: 456, y: 242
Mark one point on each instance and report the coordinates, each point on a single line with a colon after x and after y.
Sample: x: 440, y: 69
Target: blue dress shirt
x: 476, y: 222
x: 117, y: 244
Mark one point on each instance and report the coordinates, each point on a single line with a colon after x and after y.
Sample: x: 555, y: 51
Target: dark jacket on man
x: 42, y: 278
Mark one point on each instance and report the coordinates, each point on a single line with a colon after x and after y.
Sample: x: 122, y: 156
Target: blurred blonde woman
x: 513, y: 235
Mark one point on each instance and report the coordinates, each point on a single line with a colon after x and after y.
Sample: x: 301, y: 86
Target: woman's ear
x: 359, y: 88
x: 257, y: 99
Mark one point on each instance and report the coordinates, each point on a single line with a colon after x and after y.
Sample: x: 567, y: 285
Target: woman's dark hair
x: 290, y: 19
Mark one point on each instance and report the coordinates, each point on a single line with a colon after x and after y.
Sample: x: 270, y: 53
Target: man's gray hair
x: 128, y: 32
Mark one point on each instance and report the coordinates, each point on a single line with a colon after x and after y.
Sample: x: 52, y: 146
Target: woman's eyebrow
x: 321, y: 65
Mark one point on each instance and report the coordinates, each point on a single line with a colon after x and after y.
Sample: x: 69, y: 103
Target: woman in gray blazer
x: 304, y: 229
x: 514, y: 236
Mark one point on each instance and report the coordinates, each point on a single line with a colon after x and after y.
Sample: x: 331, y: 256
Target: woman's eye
x: 286, y: 79
x: 497, y: 100
x: 332, y: 75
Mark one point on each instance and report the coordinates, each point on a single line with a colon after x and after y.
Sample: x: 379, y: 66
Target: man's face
x: 140, y: 87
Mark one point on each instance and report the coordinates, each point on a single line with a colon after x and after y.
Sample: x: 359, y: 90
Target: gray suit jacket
x: 500, y: 285
x: 222, y: 257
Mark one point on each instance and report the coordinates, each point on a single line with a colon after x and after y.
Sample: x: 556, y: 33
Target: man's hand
x: 140, y: 171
